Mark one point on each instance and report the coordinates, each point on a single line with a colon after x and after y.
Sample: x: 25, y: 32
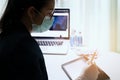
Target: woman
x: 20, y: 56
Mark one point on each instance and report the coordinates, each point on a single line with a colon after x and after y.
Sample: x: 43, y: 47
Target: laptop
x: 56, y: 39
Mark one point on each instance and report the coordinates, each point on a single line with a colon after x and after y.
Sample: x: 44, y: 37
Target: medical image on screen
x: 59, y: 23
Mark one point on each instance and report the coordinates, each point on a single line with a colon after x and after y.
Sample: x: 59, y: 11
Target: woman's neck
x: 27, y: 22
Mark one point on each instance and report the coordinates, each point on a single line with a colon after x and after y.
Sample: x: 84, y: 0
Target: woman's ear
x: 31, y: 13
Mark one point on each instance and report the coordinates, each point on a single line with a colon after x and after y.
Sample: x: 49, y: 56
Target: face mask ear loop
x: 37, y: 12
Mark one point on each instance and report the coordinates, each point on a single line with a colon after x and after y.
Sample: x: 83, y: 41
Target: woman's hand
x: 90, y: 73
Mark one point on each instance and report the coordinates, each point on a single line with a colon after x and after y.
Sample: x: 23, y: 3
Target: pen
x: 93, y: 57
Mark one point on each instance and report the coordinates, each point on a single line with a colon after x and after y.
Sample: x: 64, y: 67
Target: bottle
x: 72, y: 38
x: 79, y: 39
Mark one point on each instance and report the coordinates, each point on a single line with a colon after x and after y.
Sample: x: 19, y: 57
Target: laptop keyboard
x: 50, y: 43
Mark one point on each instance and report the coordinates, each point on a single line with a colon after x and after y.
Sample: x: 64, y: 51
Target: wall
x: 118, y: 26
x: 92, y: 18
x: 2, y: 6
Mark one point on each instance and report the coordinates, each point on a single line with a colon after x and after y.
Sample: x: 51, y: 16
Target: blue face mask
x: 46, y: 25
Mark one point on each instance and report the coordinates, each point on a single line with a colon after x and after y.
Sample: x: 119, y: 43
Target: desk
x: 108, y: 61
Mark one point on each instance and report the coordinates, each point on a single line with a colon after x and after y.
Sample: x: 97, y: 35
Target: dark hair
x: 15, y: 10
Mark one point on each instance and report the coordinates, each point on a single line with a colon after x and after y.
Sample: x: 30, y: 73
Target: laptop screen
x: 60, y: 27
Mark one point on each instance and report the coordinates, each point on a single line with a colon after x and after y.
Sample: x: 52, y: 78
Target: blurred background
x: 97, y: 20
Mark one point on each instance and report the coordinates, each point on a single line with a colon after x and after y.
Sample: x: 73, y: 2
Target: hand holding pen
x: 91, y: 71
